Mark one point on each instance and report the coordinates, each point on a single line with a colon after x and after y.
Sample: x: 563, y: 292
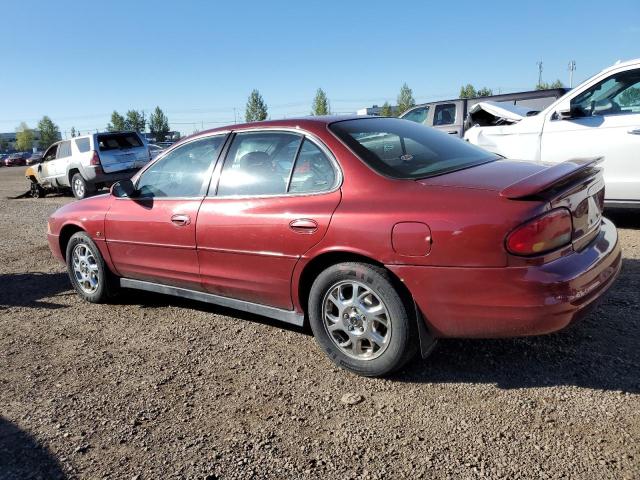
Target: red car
x: 383, y: 234
x: 15, y: 159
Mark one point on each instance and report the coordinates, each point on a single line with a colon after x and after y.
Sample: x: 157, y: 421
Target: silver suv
x: 88, y: 163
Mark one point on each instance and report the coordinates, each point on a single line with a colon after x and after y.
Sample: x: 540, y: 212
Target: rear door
x: 121, y: 151
x: 276, y: 194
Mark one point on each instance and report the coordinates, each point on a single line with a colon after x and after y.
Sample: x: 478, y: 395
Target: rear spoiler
x: 545, y: 179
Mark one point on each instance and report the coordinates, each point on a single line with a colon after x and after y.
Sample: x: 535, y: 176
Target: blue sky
x: 198, y: 60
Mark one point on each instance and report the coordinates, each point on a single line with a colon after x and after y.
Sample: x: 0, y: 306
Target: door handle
x: 303, y: 225
x: 634, y: 132
x: 453, y: 132
x: 181, y: 220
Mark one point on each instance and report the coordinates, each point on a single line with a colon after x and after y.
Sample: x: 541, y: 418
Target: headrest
x: 253, y: 160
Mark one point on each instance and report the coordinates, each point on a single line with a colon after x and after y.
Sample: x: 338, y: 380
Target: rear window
x: 118, y: 141
x: 407, y: 150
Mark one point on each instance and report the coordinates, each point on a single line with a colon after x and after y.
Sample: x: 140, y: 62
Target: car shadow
x: 146, y: 299
x: 31, y: 289
x: 21, y: 456
x: 623, y: 218
x: 599, y: 352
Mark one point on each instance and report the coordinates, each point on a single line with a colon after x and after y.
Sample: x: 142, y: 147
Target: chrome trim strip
x: 248, y: 252
x: 287, y: 316
x: 149, y: 244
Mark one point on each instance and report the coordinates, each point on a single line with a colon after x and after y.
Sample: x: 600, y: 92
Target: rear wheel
x: 360, y: 319
x: 80, y: 187
x: 87, y: 271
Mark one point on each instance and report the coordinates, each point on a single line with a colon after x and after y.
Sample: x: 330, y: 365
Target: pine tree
x: 385, y: 110
x: 320, y: 104
x: 49, y: 133
x: 117, y: 123
x: 405, y: 99
x: 135, y: 121
x: 159, y: 125
x: 256, y: 110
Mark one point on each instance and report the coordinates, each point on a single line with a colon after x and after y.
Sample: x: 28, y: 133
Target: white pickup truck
x: 600, y: 117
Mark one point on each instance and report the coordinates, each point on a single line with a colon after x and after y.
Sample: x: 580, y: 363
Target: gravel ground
x: 155, y: 387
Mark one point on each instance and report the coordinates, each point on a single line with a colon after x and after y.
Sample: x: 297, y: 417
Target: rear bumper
x: 514, y: 301
x: 97, y: 175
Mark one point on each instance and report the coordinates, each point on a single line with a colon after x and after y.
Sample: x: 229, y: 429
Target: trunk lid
x: 576, y: 185
x: 121, y: 151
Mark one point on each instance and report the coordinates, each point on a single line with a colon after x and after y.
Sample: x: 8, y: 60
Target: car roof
x: 296, y: 122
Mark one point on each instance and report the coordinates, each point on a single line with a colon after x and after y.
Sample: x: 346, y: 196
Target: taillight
x: 95, y: 159
x: 542, y: 234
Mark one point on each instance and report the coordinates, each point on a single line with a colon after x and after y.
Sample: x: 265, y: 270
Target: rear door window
x: 444, y: 114
x: 313, y: 171
x: 118, y: 141
x: 259, y: 163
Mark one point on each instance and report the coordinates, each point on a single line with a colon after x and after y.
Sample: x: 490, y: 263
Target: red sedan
x: 383, y: 234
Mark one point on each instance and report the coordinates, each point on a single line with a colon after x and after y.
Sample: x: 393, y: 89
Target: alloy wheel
x: 357, y: 320
x: 85, y: 268
x: 78, y: 186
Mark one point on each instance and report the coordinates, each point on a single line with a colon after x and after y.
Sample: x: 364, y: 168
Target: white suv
x: 89, y: 162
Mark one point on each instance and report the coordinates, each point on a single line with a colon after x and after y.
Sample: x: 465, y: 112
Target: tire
x: 36, y: 190
x: 80, y: 187
x: 87, y: 271
x: 372, y: 337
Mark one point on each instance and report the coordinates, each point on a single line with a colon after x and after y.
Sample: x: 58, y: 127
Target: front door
x: 276, y: 194
x: 605, y: 122
x: 152, y: 236
x: 47, y: 169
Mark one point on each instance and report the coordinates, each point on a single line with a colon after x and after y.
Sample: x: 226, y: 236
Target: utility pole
x: 235, y: 119
x: 572, y: 68
x: 539, y: 63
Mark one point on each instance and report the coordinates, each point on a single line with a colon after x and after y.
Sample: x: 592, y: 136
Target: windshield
x: 406, y: 150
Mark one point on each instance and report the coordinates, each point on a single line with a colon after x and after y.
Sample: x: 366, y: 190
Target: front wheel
x: 87, y: 271
x: 36, y: 190
x: 360, y: 319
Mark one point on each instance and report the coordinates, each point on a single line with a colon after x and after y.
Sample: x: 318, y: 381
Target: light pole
x: 539, y: 63
x: 572, y: 67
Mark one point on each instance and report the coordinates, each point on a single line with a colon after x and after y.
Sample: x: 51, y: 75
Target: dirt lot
x: 155, y: 387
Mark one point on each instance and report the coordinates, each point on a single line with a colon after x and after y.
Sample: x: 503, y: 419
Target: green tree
x: 159, y: 125
x: 24, y: 138
x: 630, y: 97
x: 256, y: 110
x: 134, y: 120
x: 385, y: 110
x: 49, y: 132
x: 73, y: 132
x: 484, y: 92
x: 545, y: 85
x: 405, y: 99
x: 467, y: 91
x: 117, y: 123
x: 320, y: 104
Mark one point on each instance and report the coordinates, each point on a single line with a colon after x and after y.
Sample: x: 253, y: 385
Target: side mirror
x: 123, y: 188
x: 564, y: 109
